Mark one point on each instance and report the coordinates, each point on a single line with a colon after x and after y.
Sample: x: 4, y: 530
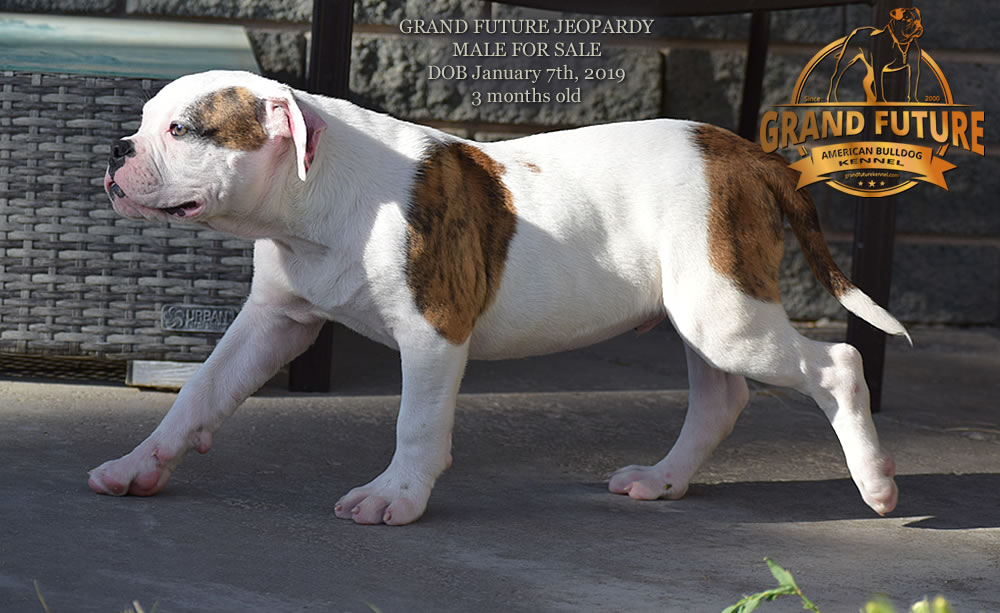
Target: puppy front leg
x: 257, y: 344
x: 432, y: 372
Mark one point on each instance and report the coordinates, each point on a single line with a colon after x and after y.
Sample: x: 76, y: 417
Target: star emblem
x: 871, y: 184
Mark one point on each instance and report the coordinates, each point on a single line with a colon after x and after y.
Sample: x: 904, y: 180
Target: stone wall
x: 947, y: 258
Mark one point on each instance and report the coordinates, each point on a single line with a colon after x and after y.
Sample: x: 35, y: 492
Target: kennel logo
x: 188, y: 318
x: 842, y: 88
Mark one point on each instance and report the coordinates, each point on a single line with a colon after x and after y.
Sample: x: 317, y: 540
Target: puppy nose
x: 120, y: 150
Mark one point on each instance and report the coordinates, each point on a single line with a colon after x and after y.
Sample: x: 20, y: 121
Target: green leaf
x: 749, y: 603
x: 787, y: 587
x: 924, y: 606
x: 41, y: 599
x: 939, y: 605
x: 783, y: 576
x: 808, y: 604
x: 786, y: 580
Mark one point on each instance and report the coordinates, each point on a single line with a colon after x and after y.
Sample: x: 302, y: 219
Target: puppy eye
x: 177, y: 129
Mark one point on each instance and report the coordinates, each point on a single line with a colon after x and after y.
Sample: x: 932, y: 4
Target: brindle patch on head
x: 745, y: 230
x: 232, y: 117
x: 461, y: 220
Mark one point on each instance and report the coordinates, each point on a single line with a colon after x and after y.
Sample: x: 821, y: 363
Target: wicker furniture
x: 76, y: 279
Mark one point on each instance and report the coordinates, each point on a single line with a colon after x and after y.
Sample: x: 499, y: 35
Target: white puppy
x: 446, y: 250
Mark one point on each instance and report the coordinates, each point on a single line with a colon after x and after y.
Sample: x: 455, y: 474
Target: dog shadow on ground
x: 935, y: 501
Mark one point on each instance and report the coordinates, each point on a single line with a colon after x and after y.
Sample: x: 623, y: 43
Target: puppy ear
x: 290, y: 117
x: 897, y: 13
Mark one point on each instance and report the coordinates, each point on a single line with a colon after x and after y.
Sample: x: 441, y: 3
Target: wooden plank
x: 167, y: 375
x: 158, y: 374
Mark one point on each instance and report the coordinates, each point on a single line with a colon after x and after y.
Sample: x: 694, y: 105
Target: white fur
x: 857, y: 302
x: 611, y: 232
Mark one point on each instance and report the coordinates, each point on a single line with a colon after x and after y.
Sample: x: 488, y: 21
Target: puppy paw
x: 143, y: 472
x: 647, y: 483
x: 878, y: 488
x: 392, y: 498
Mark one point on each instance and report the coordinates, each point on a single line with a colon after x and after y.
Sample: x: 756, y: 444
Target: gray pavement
x: 523, y: 521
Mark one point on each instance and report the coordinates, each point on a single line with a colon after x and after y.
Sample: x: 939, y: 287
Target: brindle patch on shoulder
x: 461, y: 220
x: 232, y: 117
x: 745, y: 229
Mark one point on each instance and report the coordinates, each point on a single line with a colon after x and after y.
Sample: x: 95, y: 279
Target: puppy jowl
x: 448, y: 250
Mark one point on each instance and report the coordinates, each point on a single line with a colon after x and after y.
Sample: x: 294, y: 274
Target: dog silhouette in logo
x: 904, y: 28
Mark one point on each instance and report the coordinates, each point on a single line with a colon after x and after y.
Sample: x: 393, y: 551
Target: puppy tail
x: 797, y: 205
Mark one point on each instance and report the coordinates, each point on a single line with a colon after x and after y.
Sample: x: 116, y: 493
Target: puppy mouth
x: 186, y: 209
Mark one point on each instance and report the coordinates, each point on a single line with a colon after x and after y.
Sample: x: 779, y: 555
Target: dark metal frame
x: 329, y: 73
x: 875, y: 221
x: 874, y: 239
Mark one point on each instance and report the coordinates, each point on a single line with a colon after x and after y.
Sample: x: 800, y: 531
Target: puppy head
x: 211, y: 144
x: 907, y: 25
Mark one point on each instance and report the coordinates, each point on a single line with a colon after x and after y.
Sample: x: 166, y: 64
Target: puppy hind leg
x: 835, y: 380
x: 715, y: 400
x: 761, y: 344
x: 832, y: 374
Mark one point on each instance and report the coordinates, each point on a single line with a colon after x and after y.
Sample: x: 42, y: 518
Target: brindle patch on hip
x: 745, y: 228
x: 461, y: 220
x: 232, y: 117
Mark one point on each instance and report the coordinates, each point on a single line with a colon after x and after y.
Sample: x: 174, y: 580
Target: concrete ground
x: 523, y: 521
